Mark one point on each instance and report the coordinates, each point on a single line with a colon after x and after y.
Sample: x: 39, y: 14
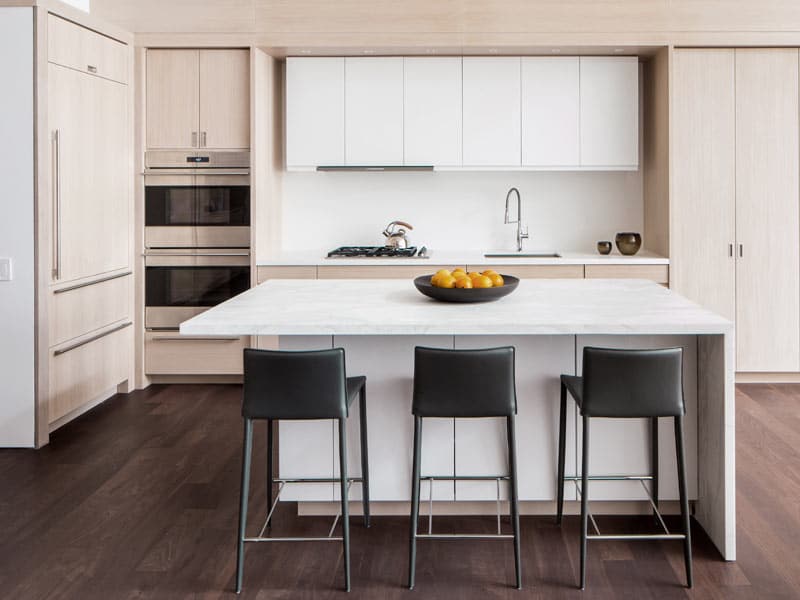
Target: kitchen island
x: 379, y: 322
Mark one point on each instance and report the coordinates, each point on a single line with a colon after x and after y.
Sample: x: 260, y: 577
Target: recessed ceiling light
x: 556, y: 50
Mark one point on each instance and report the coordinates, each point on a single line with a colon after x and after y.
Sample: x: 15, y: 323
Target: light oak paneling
x: 767, y: 211
x: 657, y: 273
x: 288, y: 272
x: 89, y: 308
x: 225, y: 99
x: 703, y: 177
x: 535, y: 271
x: 377, y: 271
x: 173, y: 105
x: 76, y: 47
x: 169, y: 353
x: 655, y: 151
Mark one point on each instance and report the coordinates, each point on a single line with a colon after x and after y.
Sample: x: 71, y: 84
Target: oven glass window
x: 205, y: 206
x: 194, y: 286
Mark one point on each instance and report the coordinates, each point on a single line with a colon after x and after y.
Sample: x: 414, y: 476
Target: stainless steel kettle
x: 395, y: 234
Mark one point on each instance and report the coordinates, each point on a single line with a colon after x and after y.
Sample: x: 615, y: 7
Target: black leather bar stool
x: 464, y: 384
x: 624, y: 384
x: 300, y: 386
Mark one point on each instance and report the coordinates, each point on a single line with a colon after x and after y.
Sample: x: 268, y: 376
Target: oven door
x: 197, y: 211
x: 180, y: 285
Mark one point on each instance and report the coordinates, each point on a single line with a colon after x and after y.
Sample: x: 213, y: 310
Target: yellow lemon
x: 481, y: 281
x: 473, y: 274
x: 497, y: 280
x: 464, y: 283
x: 441, y: 272
x: 489, y: 272
x: 447, y: 281
x: 458, y: 270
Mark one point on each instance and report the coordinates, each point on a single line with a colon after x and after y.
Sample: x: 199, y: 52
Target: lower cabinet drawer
x: 657, y: 273
x: 79, y: 310
x: 81, y: 371
x: 378, y: 271
x: 169, y: 353
x: 534, y: 271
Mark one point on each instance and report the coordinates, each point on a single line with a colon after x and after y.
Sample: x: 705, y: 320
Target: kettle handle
x: 402, y: 224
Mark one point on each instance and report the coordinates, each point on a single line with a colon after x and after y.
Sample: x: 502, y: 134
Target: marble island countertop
x: 395, y: 307
x: 465, y: 257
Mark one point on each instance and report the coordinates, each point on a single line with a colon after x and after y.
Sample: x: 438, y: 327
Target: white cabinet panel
x: 609, y: 99
x: 373, y: 111
x: 432, y: 111
x: 550, y: 111
x: 314, y: 111
x: 491, y: 97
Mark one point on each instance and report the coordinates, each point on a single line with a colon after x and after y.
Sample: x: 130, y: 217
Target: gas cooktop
x: 378, y: 252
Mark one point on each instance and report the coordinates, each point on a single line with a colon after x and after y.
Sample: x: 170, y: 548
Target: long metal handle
x: 57, y: 204
x: 93, y: 282
x: 92, y: 339
x: 194, y: 339
x: 741, y: 250
x: 194, y: 139
x: 730, y: 250
x: 193, y: 254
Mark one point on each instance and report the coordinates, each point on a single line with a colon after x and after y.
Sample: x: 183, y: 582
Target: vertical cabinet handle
x: 205, y: 135
x: 730, y: 250
x: 56, y: 204
x: 741, y: 250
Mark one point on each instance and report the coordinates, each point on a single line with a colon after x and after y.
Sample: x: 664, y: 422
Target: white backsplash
x: 565, y: 211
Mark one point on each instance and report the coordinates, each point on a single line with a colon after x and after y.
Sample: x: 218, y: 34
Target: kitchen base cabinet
x: 534, y: 271
x: 169, y: 353
x: 657, y: 273
x: 378, y: 272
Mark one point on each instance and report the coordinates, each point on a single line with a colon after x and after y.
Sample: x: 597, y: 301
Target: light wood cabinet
x: 657, y: 273
x: 314, y: 111
x: 286, y: 272
x: 609, y: 116
x: 534, y: 271
x: 378, y: 271
x: 550, y: 111
x: 491, y: 101
x: 78, y: 48
x: 432, y: 111
x: 373, y: 89
x: 198, y: 99
x: 169, y: 353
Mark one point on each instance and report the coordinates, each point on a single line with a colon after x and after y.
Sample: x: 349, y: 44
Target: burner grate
x: 372, y: 252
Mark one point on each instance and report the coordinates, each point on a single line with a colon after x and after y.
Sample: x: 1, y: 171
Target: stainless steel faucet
x: 522, y: 232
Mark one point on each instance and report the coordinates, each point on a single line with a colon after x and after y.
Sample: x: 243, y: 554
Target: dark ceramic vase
x: 628, y: 243
x: 604, y: 247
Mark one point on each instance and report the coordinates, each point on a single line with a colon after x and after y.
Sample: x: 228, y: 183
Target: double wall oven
x: 197, y: 239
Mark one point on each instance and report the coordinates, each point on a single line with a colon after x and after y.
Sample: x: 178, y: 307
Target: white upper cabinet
x: 551, y: 111
x: 609, y: 116
x: 314, y: 111
x: 432, y: 111
x: 491, y: 97
x: 373, y: 90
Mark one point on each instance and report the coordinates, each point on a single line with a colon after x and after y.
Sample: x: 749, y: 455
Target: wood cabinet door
x: 432, y: 111
x: 702, y: 230
x: 173, y: 107
x: 767, y: 219
x: 224, y: 99
x: 609, y: 111
x: 373, y: 108
x: 550, y: 111
x: 314, y: 111
x: 491, y: 97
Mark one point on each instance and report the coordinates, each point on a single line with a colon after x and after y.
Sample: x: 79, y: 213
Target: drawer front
x: 79, y: 311
x: 80, y: 373
x: 378, y: 272
x: 169, y: 353
x: 535, y: 271
x: 76, y: 47
x: 657, y: 273
x: 288, y: 272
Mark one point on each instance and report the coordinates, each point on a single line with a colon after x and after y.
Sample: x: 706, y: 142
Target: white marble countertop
x: 466, y: 257
x: 395, y: 307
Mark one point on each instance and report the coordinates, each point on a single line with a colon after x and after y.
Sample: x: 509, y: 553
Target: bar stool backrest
x: 464, y: 383
x: 294, y: 385
x: 632, y: 383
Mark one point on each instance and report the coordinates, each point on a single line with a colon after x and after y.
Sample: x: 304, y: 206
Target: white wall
x: 565, y: 211
x: 16, y: 228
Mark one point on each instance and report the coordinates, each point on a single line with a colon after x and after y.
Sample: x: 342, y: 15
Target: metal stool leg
x: 654, y: 460
x: 270, y: 472
x: 362, y: 400
x: 584, y: 498
x: 562, y: 442
x: 512, y: 470
x: 412, y: 555
x: 344, y: 499
x: 244, y: 492
x: 687, y: 542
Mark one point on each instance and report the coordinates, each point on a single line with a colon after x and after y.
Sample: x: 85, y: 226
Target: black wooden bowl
x: 425, y: 286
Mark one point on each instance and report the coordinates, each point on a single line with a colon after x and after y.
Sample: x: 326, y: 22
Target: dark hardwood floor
x: 139, y: 499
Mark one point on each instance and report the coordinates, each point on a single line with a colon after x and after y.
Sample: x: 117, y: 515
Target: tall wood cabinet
x: 198, y: 99
x: 735, y: 209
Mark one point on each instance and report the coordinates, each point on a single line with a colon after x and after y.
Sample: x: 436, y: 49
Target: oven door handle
x: 189, y: 255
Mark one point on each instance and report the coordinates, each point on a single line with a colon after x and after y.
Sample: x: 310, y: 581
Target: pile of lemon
x: 458, y: 278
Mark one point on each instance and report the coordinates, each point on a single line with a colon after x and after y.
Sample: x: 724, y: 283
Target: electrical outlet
x: 5, y: 269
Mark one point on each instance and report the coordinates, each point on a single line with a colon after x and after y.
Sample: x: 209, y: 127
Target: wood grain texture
x: 377, y: 271
x: 289, y: 272
x: 149, y: 482
x: 225, y: 99
x: 657, y: 273
x: 173, y: 107
x: 169, y: 353
x: 534, y: 271
x: 655, y: 151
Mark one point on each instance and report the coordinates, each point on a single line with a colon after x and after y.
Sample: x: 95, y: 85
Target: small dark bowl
x: 424, y: 285
x: 628, y: 243
x: 604, y: 247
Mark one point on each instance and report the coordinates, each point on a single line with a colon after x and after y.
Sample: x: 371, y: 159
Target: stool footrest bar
x: 464, y: 536
x: 293, y: 539
x: 610, y: 478
x: 637, y: 536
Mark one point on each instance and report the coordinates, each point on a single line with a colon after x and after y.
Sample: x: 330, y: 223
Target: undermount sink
x: 512, y: 254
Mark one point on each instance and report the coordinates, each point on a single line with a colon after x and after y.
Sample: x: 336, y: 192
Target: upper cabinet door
x: 314, y: 112
x: 550, y: 112
x: 373, y: 111
x: 224, y: 99
x: 173, y: 108
x: 491, y: 111
x: 432, y: 111
x: 609, y: 111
